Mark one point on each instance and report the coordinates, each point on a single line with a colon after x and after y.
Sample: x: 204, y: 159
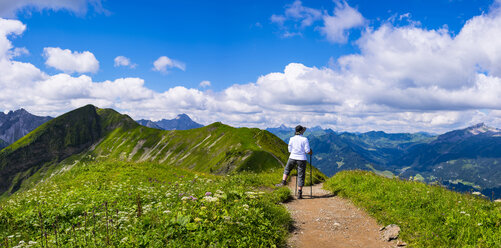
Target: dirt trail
x: 331, y: 221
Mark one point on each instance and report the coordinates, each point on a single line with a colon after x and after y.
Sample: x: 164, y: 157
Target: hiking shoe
x: 283, y: 183
x: 300, y: 195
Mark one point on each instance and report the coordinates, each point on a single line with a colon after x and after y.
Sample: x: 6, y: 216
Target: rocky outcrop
x: 16, y: 124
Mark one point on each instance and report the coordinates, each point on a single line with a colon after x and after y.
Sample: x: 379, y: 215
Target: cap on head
x: 300, y: 129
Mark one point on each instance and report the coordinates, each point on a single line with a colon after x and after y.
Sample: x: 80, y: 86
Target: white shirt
x: 298, y: 147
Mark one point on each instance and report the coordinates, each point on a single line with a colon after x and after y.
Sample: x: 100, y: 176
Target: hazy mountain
x: 345, y: 151
x: 181, y: 122
x: 16, y: 124
x: 369, y: 151
x: 284, y: 132
x: 148, y: 123
x: 467, y: 157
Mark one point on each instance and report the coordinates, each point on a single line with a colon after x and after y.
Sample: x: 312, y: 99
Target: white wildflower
x: 210, y: 198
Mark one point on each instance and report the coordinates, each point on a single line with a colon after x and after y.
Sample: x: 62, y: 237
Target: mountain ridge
x: 181, y: 122
x: 16, y: 124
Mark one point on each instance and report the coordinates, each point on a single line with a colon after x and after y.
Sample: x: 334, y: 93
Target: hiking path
x: 325, y: 220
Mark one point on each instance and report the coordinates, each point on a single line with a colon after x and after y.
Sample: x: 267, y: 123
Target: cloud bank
x: 405, y: 78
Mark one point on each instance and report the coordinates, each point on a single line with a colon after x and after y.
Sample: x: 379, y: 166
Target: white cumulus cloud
x: 70, y: 62
x: 163, y: 63
x: 124, y: 61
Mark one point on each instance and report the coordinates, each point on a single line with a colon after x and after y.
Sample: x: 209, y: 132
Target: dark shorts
x: 301, y: 169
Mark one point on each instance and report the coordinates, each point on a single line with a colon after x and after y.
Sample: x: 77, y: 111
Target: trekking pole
x: 295, y: 192
x: 311, y: 180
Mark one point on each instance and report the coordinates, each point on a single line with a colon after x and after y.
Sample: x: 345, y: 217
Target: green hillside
x: 429, y: 216
x: 54, y: 141
x: 216, y: 148
x: 105, y: 135
x: 93, y: 177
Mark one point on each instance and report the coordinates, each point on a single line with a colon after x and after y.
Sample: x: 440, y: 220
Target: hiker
x: 298, y: 148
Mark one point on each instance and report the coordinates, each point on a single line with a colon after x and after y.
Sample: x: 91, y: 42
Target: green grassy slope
x: 55, y: 140
x: 217, y: 149
x: 429, y: 216
x: 123, y: 204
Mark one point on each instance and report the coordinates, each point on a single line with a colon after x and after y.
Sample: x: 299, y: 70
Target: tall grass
x: 429, y: 216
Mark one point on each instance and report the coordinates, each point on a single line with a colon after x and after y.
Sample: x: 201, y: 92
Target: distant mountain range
x: 466, y: 159
x: 16, y: 124
x: 284, y: 132
x: 181, y: 122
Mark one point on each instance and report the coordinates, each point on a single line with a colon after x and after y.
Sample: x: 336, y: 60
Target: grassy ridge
x: 146, y: 205
x: 429, y: 216
x: 217, y: 149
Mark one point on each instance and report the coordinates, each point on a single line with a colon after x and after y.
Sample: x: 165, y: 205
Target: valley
x: 466, y: 160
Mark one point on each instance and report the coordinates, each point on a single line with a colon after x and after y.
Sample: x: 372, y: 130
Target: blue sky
x: 243, y: 48
x: 225, y: 42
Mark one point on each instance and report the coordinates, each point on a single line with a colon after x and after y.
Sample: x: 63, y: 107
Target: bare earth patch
x: 331, y: 221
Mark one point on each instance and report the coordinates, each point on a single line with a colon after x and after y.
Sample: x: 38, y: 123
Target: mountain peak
x: 482, y: 128
x: 181, y: 122
x: 20, y: 111
x: 183, y: 117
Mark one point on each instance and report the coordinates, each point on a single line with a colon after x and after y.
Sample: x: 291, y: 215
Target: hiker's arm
x: 307, y: 147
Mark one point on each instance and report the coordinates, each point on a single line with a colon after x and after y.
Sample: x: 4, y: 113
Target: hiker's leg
x: 287, y: 170
x: 301, y: 169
